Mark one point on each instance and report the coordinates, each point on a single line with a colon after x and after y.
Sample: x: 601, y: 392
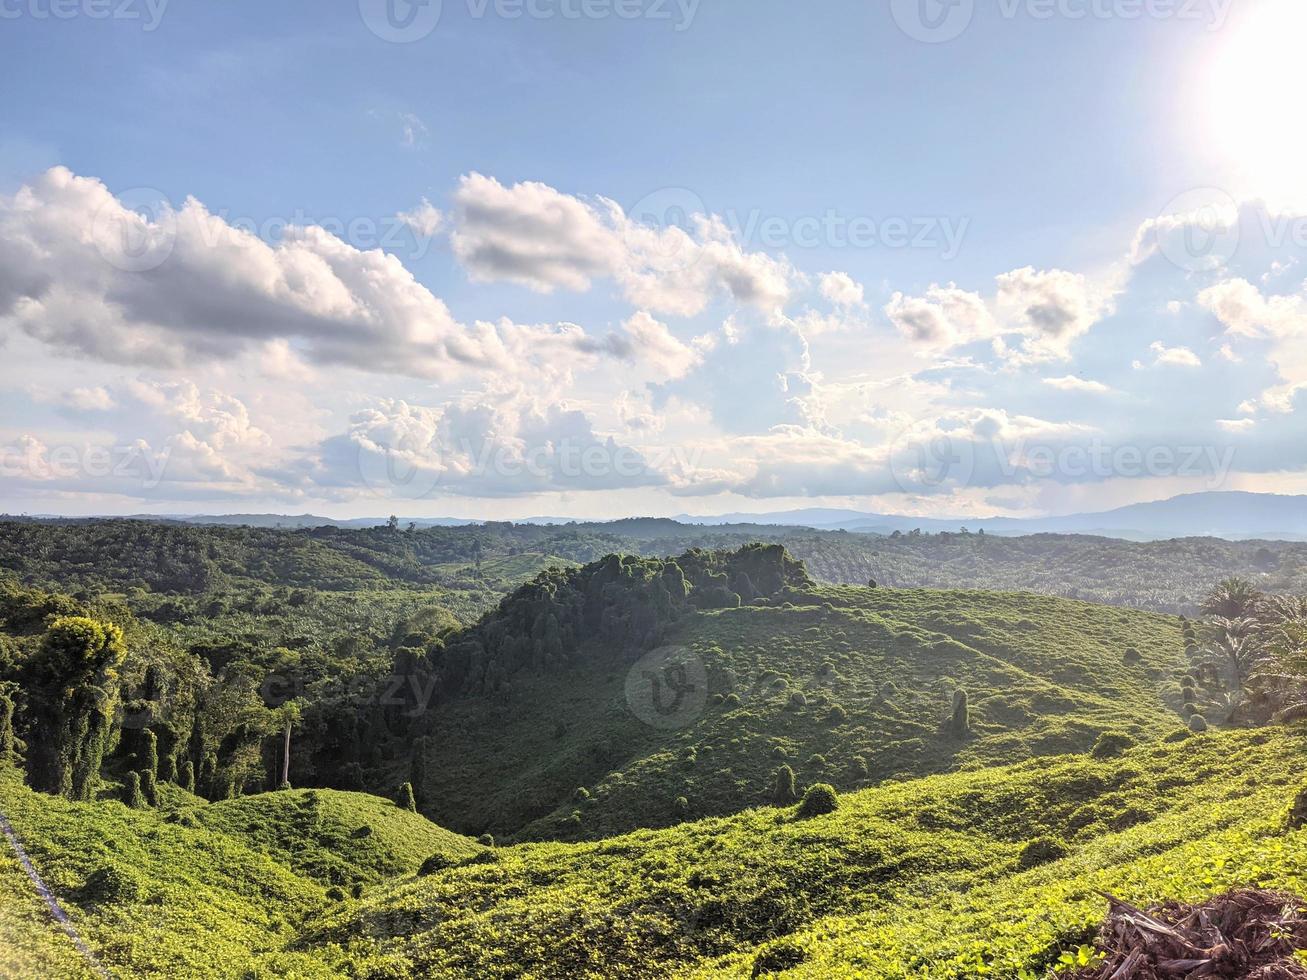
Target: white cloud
x: 425, y: 219
x: 1280, y: 321
x: 1174, y: 356
x: 541, y: 238
x: 840, y: 289
x: 1236, y: 425
x: 945, y: 317
x: 1072, y: 383
x: 1050, y: 308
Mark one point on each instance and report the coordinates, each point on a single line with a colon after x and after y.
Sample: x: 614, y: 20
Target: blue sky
x: 706, y: 256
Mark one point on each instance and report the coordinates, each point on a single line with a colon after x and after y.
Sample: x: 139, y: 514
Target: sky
x: 598, y: 258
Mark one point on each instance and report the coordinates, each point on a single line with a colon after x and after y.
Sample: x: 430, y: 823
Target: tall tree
x: 288, y: 716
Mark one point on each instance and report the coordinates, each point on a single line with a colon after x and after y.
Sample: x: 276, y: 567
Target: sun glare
x: 1254, y: 100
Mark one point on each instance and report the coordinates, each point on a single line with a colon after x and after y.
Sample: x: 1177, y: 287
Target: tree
x: 288, y: 716
x: 1234, y: 598
x: 73, y: 694
x: 404, y: 798
x: 1235, y: 647
x: 784, y: 792
x: 960, y: 720
x: 132, y: 790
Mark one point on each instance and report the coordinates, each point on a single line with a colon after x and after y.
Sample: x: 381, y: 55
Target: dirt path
x: 51, y: 902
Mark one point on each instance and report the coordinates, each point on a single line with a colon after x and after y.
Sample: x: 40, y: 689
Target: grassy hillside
x: 931, y: 878
x: 195, y: 890
x: 846, y: 685
x: 332, y: 837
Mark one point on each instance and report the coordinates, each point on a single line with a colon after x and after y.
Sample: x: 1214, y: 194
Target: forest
x: 573, y: 735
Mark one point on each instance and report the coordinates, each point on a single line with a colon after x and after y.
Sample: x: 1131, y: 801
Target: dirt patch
x: 1240, y: 935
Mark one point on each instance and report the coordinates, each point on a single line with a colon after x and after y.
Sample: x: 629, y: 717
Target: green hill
x: 332, y: 837
x: 847, y: 685
x: 931, y: 878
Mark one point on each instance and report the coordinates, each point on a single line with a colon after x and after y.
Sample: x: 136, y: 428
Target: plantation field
x: 933, y: 877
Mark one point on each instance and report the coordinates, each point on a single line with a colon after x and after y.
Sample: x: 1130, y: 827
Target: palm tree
x: 288, y: 715
x: 1235, y: 598
x: 1236, y: 647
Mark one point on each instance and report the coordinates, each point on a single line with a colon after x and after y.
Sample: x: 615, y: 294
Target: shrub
x: 581, y: 794
x: 1179, y: 735
x: 188, y: 776
x: 858, y: 766
x: 336, y: 893
x: 1187, y: 693
x: 112, y: 883
x: 485, y: 840
x: 682, y: 805
x: 356, y: 890
x: 1111, y: 744
x: 777, y: 958
x: 484, y: 857
x: 132, y: 791
x: 1041, y: 850
x: 816, y: 761
x: 1197, y: 723
x: 820, y: 798
x: 149, y: 787
x: 960, y: 721
x: 778, y: 752
x: 798, y: 700
x: 838, y: 715
x: 783, y: 791
x: 1133, y: 656
x: 437, y: 862
x: 404, y: 798
x: 1189, y: 709
x: 363, y: 833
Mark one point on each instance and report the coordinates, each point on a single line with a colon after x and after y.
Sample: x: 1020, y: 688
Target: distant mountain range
x: 1235, y: 515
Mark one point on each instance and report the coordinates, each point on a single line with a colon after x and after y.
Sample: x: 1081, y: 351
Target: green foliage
x: 959, y: 724
x: 1197, y: 723
x: 1041, y: 850
x: 819, y: 799
x: 1111, y: 744
x: 783, y: 788
x: 404, y: 799
x: 777, y: 958
x: 149, y: 787
x: 132, y: 795
x: 486, y: 840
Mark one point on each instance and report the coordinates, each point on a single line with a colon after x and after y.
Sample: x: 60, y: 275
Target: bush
x: 1197, y: 723
x: 777, y: 958
x: 437, y: 862
x: 798, y: 700
x: 404, y: 798
x: 336, y: 893
x: 783, y: 791
x: 819, y: 799
x: 1133, y: 656
x: 858, y: 766
x: 816, y: 761
x: 838, y: 715
x: 1189, y: 709
x: 356, y: 890
x: 1187, y: 693
x: 682, y: 805
x: 1296, y: 818
x: 1110, y: 745
x: 1179, y: 735
x: 112, y: 883
x: 149, y: 787
x: 778, y: 752
x: 362, y: 833
x: 132, y: 791
x: 960, y: 720
x: 485, y: 840
x: 1041, y: 850
x: 581, y: 794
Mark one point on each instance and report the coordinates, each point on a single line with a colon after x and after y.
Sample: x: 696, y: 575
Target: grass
x: 876, y: 670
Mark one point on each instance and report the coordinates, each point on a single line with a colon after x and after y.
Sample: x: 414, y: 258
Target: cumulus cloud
x: 944, y: 317
x: 424, y: 220
x: 1174, y: 356
x: 1050, y: 308
x: 1072, y: 383
x: 541, y: 238
x: 840, y: 289
x: 1279, y: 321
x: 500, y: 444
